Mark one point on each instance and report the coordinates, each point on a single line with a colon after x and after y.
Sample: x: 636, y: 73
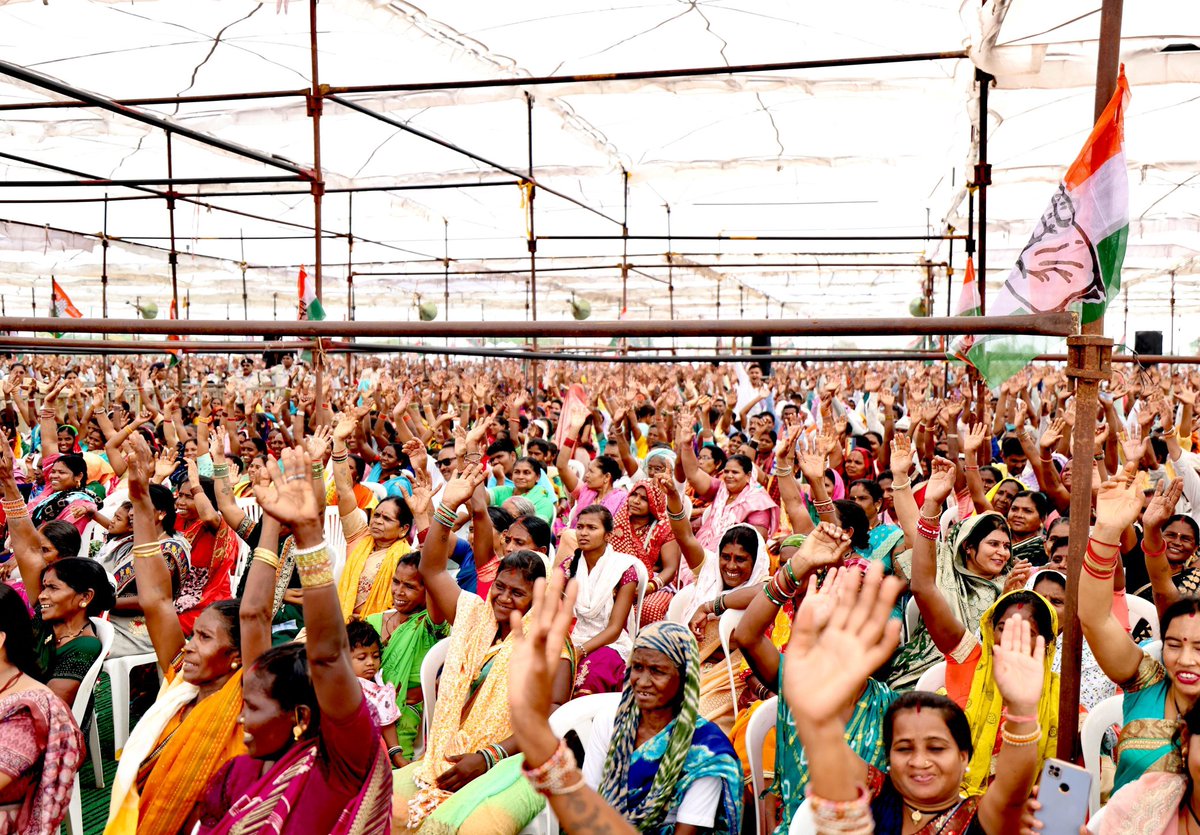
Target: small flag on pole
x: 60, y: 304
x: 310, y: 305
x: 968, y: 305
x: 1074, y: 256
x: 173, y: 313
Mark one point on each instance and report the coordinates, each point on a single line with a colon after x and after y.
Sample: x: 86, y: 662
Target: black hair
x: 609, y: 466
x: 403, y: 513
x: 1053, y: 575
x: 286, y: 668
x: 1041, y: 611
x: 995, y: 471
x: 644, y: 411
x: 1181, y: 607
x: 873, y: 434
x: 362, y: 634
x: 1159, y: 447
x: 718, y: 455
x: 1011, y: 446
x: 854, y: 518
x: 1041, y: 502
x: 528, y: 563
x: 537, y: 466
x: 358, y: 467
x: 17, y: 628
x: 413, y: 560
x: 75, y: 464
x: 64, y: 537
x: 402, y: 459
x: 952, y: 715
x: 871, y: 486
x: 229, y: 612
x: 538, y: 530
x: 606, y: 518
x: 885, y: 475
x: 1187, y: 520
x: 741, y: 535
x: 501, y: 445
x: 742, y: 461
x: 259, y: 447
x: 82, y: 575
x: 164, y: 502
x: 500, y: 517
x: 539, y: 444
x: 985, y: 526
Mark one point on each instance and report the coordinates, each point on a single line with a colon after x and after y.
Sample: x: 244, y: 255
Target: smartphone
x: 1064, y: 793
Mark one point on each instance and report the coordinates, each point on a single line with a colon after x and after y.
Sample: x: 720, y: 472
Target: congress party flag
x: 310, y: 305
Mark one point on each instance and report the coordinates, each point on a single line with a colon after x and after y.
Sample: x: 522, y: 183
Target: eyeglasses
x: 447, y: 462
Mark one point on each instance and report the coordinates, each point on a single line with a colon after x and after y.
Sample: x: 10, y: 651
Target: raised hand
x: 464, y: 483
x: 974, y: 438
x: 317, y: 444
x: 1119, y: 501
x: 941, y: 481
x: 165, y: 463
x: 827, y: 545
x: 1133, y: 445
x: 1162, y: 506
x: 140, y: 465
x: 1052, y: 436
x: 902, y: 455
x: 842, y: 633
x: 6, y: 458
x: 292, y: 502
x: 1018, y: 666
x: 345, y: 427
x: 217, y: 448
x: 785, y: 450
x: 1018, y: 576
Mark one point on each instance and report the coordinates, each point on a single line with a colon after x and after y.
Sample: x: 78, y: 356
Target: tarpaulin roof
x: 722, y: 163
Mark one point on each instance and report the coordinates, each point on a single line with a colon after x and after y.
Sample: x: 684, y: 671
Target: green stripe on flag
x: 1110, y: 254
x: 1000, y: 357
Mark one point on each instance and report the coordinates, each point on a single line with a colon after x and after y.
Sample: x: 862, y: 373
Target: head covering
x: 644, y: 786
x: 991, y: 494
x: 984, y: 704
x: 709, y: 582
x: 644, y: 548
x: 872, y: 468
x: 658, y: 452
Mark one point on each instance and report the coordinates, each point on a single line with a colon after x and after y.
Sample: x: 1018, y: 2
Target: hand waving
x: 292, y: 502
x: 1018, y: 666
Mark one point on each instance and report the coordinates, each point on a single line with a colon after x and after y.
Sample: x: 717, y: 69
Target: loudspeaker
x: 760, y: 344
x: 1147, y: 342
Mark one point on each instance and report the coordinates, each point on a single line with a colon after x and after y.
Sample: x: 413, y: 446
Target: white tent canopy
x: 881, y: 152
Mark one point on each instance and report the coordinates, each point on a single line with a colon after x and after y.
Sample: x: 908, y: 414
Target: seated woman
x: 642, y: 530
x: 841, y: 634
x: 966, y: 576
x: 711, y: 459
x: 1027, y: 523
x: 213, y: 550
x: 468, y: 778
x: 885, y: 540
x: 971, y: 667
x: 64, y: 473
x: 392, y: 471
x: 314, y: 760
x: 495, y: 535
x: 373, y: 549
x: 598, y: 485
x: 68, y: 593
x: 527, y: 482
x: 35, y: 790
x: 194, y: 727
x: 608, y: 586
x: 1177, y: 573
x: 1156, y: 694
x: 407, y: 633
x: 654, y: 758
x: 736, y: 496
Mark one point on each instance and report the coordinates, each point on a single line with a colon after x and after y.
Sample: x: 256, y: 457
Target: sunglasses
x: 447, y: 462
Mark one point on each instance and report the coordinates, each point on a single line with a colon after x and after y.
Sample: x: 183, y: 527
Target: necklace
x: 10, y: 682
x: 917, y: 815
x: 70, y: 636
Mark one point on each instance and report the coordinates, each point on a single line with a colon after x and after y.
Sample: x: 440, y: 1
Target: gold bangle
x: 266, y: 556
x: 315, y: 567
x: 147, y: 550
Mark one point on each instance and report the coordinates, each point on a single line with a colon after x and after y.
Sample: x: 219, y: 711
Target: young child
x: 366, y: 655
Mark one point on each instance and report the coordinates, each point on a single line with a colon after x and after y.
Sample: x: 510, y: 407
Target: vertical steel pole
x: 350, y: 280
x: 245, y: 292
x: 983, y: 179
x: 104, y: 264
x: 316, y: 102
x: 172, y: 256
x: 1089, y: 363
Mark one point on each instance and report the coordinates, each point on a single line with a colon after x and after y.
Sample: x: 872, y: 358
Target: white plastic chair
x: 118, y: 670
x: 431, y: 665
x: 80, y: 710
x: 1155, y: 650
x: 933, y: 679
x: 761, y: 722
x: 249, y: 505
x: 803, y: 822
x: 1109, y: 712
x: 634, y: 622
x: 576, y: 715
x: 912, y: 618
x: 725, y: 626
x: 91, y: 533
x: 679, y: 604
x: 1142, y: 609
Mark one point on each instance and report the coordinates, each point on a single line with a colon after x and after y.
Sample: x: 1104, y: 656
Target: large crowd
x: 379, y: 605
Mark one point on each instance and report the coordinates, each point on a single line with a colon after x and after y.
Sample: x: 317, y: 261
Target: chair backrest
x: 680, y: 603
x: 933, y: 679
x: 761, y: 722
x: 912, y: 618
x: 430, y: 667
x: 725, y: 626
x: 83, y: 697
x: 249, y: 505
x: 1108, y: 712
x: 1155, y: 650
x: 578, y: 714
x: 1142, y: 609
x: 803, y: 822
x: 635, y: 615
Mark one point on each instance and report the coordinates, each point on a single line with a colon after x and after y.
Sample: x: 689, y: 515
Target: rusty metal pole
x: 983, y: 179
x: 315, y: 103
x: 350, y: 280
x: 1089, y: 363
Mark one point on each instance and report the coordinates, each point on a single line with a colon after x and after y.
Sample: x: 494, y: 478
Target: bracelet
x: 896, y: 485
x: 220, y: 471
x: 340, y: 459
x: 1153, y: 554
x: 394, y: 750
x: 267, y: 557
x: 315, y: 566
x: 318, y: 470
x: 489, y: 760
x: 147, y: 550
x: 852, y: 817
x: 1014, y: 718
x: 783, y: 472
x: 681, y: 516
x: 823, y: 507
x: 1105, y: 544
x: 926, y: 529
x: 569, y: 443
x: 15, y: 509
x: 967, y: 467
x: 771, y: 597
x: 791, y: 573
x: 1020, y: 739
x: 550, y: 777
x: 718, y: 605
x: 205, y: 420
x: 445, y: 517
x: 937, y: 517
x: 498, y: 751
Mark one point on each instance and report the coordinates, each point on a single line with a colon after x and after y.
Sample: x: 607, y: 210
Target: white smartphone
x: 1063, y: 793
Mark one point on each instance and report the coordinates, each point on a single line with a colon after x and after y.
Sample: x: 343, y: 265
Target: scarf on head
x: 991, y: 494
x: 645, y: 547
x: 984, y: 704
x: 643, y: 784
x: 658, y: 452
x: 709, y: 582
x: 726, y: 511
x: 871, y: 468
x: 380, y: 596
x: 185, y: 761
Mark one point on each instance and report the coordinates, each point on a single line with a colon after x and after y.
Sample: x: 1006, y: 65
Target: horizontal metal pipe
x: 89, y: 99
x: 1045, y: 324
x: 149, y: 181
x: 257, y: 192
x: 149, y: 346
x: 751, y: 237
x: 828, y: 265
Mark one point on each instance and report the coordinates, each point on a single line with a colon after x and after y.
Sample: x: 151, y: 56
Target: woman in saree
x: 711, y: 459
x: 527, y: 481
x: 1000, y: 497
x: 213, y: 548
x: 43, y: 747
x: 654, y: 758
x: 1156, y: 694
x: 970, y: 570
x: 64, y: 473
x: 885, y: 540
x: 193, y: 727
x: 469, y: 778
x: 861, y: 714
x: 374, y: 549
x: 842, y: 633
x: 392, y: 471
x: 736, y: 496
x: 1027, y: 524
x: 407, y: 633
x: 642, y: 530
x: 315, y: 761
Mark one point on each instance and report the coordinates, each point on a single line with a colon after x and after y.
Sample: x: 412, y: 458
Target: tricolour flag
x: 173, y: 313
x: 60, y: 304
x: 968, y: 305
x: 1073, y: 258
x: 310, y: 305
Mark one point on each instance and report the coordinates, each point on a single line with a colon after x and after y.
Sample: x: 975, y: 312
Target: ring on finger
x: 295, y: 478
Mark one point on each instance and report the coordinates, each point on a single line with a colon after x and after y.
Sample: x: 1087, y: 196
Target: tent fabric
x: 874, y: 150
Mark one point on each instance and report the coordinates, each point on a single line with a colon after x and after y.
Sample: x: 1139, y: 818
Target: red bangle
x: 1103, y: 562
x: 1153, y: 554
x: 568, y: 442
x: 1105, y: 544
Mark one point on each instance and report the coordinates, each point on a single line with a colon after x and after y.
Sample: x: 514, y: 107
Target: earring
x: 234, y: 665
x: 297, y: 732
